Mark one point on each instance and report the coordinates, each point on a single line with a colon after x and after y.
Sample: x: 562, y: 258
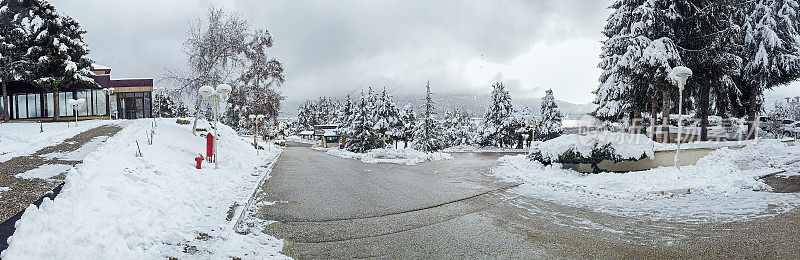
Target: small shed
x: 308, y: 134
x: 330, y: 139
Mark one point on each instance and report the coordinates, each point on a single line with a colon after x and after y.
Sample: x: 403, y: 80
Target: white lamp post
x: 680, y: 75
x: 76, y: 104
x: 794, y: 102
x: 220, y: 95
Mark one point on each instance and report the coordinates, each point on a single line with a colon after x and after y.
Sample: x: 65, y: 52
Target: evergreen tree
x: 361, y: 136
x: 637, y: 57
x: 13, y: 44
x: 550, y: 125
x: 427, y: 136
x: 306, y: 118
x: 163, y: 106
x: 387, y: 115
x: 457, y: 128
x: 408, y: 121
x: 771, y: 50
x: 499, y: 126
x: 56, y: 51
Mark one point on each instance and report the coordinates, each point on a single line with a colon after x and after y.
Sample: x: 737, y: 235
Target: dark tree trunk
x: 653, y: 118
x: 5, y: 102
x: 704, y: 106
x: 56, y: 109
x: 665, y: 116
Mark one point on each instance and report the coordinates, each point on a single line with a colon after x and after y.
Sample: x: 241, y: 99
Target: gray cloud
x: 334, y: 47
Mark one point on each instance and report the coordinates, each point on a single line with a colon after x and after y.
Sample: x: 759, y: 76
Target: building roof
x: 96, y: 66
x: 330, y: 133
x: 307, y: 132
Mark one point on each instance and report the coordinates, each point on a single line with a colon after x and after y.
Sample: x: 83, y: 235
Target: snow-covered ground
x: 25, y: 138
x: 390, y: 155
x: 482, y: 149
x: 118, y: 206
x: 724, y: 185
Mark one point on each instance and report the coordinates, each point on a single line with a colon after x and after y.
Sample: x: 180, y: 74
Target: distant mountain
x: 474, y: 105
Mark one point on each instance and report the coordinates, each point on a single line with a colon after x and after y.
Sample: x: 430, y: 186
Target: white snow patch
x: 391, y: 155
x: 80, y: 153
x: 20, y: 139
x: 724, y: 185
x: 45, y: 171
x: 119, y: 206
x: 626, y: 146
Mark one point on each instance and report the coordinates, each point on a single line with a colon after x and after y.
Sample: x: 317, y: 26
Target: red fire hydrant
x: 209, y: 146
x: 199, y: 160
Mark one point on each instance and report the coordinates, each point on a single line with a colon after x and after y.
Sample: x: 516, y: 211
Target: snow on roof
x: 307, y: 132
x: 133, y: 79
x: 330, y: 133
x: 96, y: 66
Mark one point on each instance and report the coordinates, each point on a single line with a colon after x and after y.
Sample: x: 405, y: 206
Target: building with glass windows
x: 131, y: 99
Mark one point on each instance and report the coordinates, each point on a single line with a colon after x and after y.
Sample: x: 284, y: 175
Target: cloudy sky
x: 337, y: 47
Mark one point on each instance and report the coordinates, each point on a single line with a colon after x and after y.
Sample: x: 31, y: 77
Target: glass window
x: 139, y: 108
x: 33, y: 106
x: 99, y: 100
x: 82, y: 111
x: 49, y: 108
x: 147, y: 105
x: 22, y: 109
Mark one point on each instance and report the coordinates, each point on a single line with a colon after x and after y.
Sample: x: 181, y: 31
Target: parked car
x: 791, y: 128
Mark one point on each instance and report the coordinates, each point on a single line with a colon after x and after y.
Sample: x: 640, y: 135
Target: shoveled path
x: 24, y: 192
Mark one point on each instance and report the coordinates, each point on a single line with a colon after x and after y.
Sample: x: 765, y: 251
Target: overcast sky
x: 337, y: 47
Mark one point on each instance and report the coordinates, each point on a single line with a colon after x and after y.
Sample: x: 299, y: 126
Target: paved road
x: 329, y: 207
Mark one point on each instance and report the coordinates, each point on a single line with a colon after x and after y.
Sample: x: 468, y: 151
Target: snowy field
x: 24, y: 138
x: 406, y: 156
x: 118, y: 206
x: 723, y: 186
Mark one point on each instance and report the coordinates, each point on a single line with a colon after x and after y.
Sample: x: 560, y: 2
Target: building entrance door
x: 132, y: 107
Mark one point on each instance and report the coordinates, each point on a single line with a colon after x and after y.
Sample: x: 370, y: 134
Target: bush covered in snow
x: 593, y: 148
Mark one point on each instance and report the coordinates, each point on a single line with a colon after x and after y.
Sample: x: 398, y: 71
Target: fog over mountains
x: 475, y: 105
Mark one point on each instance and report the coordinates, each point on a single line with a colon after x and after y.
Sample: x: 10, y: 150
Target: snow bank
x: 481, y: 149
x: 117, y: 206
x: 625, y: 146
x: 391, y: 155
x: 45, y: 171
x: 19, y: 139
x: 724, y: 185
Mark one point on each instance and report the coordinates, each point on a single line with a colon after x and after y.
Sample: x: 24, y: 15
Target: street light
x: 76, y: 104
x: 256, y: 119
x: 108, y: 92
x: 680, y: 75
x: 220, y: 95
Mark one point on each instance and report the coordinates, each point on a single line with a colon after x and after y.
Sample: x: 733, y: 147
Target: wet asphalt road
x: 329, y: 207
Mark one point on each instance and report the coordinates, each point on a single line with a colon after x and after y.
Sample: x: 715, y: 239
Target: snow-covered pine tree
x: 408, y: 119
x: 164, y: 106
x: 343, y: 115
x: 550, y: 125
x: 636, y: 57
x: 387, y: 115
x: 771, y: 50
x: 458, y: 130
x: 499, y: 127
x: 428, y: 133
x: 13, y: 44
x: 306, y: 119
x: 361, y: 137
x: 56, y: 50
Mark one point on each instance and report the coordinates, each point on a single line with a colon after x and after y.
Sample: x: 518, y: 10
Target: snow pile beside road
x: 117, y: 206
x: 391, y: 155
x: 19, y: 139
x: 625, y: 146
x: 724, y: 185
x: 481, y: 149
